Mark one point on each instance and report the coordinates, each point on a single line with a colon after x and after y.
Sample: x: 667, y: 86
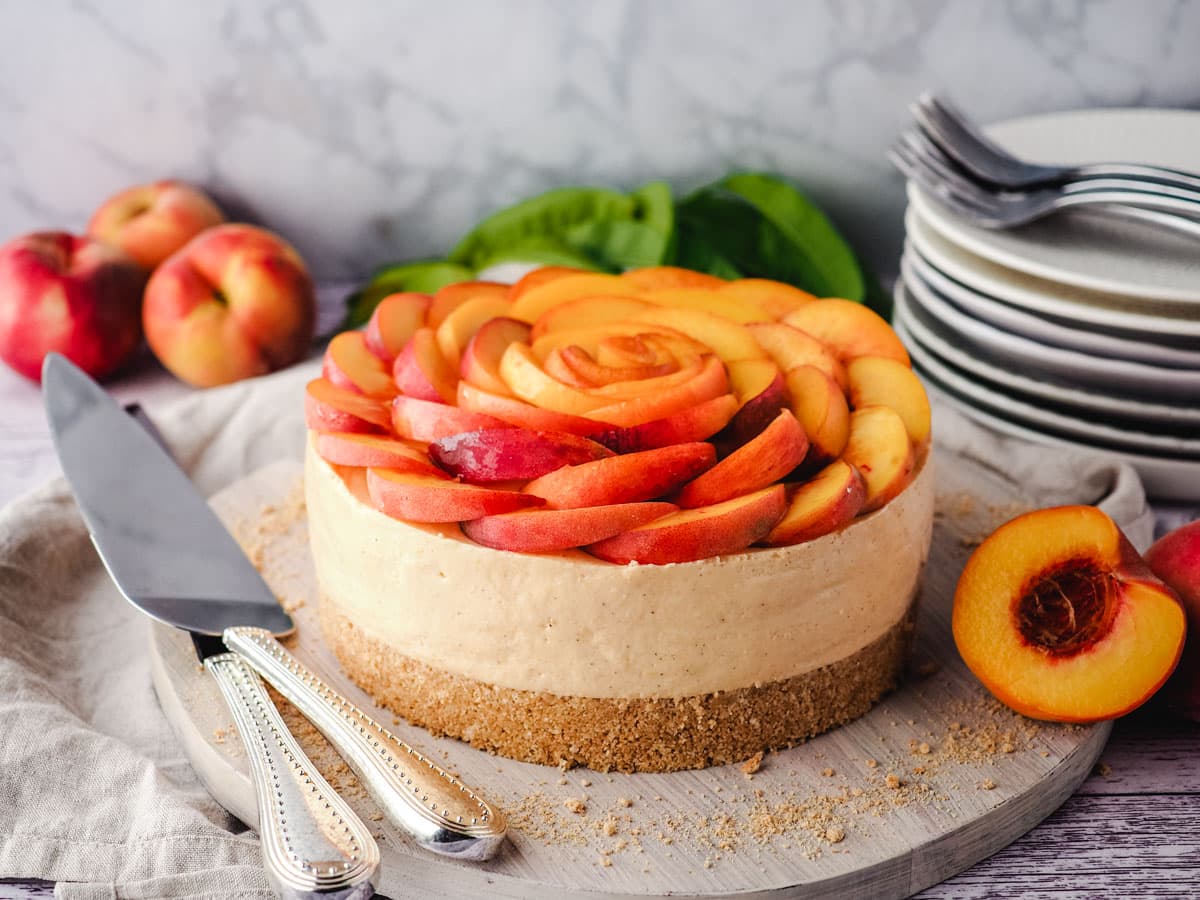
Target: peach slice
x: 533, y: 303
x: 394, y: 322
x: 710, y: 381
x: 590, y: 373
x: 850, y: 328
x: 653, y: 278
x: 629, y: 350
x: 879, y: 381
x: 761, y: 391
x: 529, y: 381
x: 422, y: 371
x: 463, y: 321
x: 452, y: 296
x: 512, y: 454
x: 1175, y: 558
x: 426, y: 420
x: 773, y: 297
x: 481, y: 359
x: 623, y: 479
x: 778, y: 449
x: 511, y: 411
x: 692, y: 534
x: 328, y: 407
x: 696, y: 423
x: 878, y: 446
x: 547, y: 530
x: 1061, y: 619
x: 729, y: 340
x: 349, y: 449
x: 415, y: 497
x: 587, y: 312
x: 660, y: 338
x: 675, y: 375
x: 790, y: 347
x: 540, y: 276
x: 821, y: 407
x: 728, y: 306
x: 351, y: 365
x: 825, y: 503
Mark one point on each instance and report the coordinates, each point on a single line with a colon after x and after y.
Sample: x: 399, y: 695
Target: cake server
x: 170, y: 556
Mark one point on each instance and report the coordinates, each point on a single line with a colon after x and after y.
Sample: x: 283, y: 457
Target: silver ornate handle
x: 313, y: 843
x: 440, y: 812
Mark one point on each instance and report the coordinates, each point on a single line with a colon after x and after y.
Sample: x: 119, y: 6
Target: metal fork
x: 970, y: 148
x: 994, y: 209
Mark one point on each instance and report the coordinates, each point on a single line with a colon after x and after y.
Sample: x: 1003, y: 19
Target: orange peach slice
x: 773, y: 297
x: 761, y: 394
x: 543, y: 275
x: 825, y: 503
x: 1061, y: 619
x: 821, y: 407
x: 878, y: 446
x: 661, y: 339
x: 351, y: 365
x: 452, y: 296
x: 1175, y: 558
x: 778, y: 449
x: 735, y: 309
x: 879, y: 381
x: 587, y: 372
x: 415, y: 497
x: 422, y: 371
x: 729, y: 340
x: 426, y: 420
x: 394, y: 322
x: 536, y: 301
x: 463, y: 321
x: 481, y: 359
x: 349, y: 449
x: 789, y: 347
x: 692, y: 534
x: 710, y: 381
x: 629, y: 350
x: 623, y: 479
x: 511, y: 411
x: 328, y: 407
x: 653, y: 278
x: 512, y: 454
x: 695, y: 423
x: 850, y: 328
x: 587, y: 312
x: 547, y: 530
x: 529, y: 381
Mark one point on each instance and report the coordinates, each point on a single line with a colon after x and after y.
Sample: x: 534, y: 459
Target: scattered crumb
x: 753, y: 764
x: 626, y: 802
x: 893, y: 781
x: 562, y: 782
x: 606, y: 862
x: 586, y: 783
x: 987, y: 784
x: 575, y: 805
x: 871, y: 763
x: 609, y: 827
x: 827, y: 772
x: 835, y: 835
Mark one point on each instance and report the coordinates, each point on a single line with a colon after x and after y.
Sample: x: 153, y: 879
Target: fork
x: 966, y: 144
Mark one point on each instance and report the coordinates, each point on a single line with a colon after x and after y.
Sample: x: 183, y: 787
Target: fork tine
x: 963, y: 203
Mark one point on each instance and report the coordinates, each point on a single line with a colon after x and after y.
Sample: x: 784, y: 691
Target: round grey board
x: 988, y: 777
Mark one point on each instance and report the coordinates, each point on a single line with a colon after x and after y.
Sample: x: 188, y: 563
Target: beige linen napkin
x: 95, y: 792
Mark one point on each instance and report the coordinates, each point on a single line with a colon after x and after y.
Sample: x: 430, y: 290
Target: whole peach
x: 235, y: 302
x: 152, y: 221
x: 1175, y: 558
x: 75, y: 295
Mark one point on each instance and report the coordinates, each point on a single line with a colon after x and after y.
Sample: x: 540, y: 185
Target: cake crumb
x: 606, y: 862
x: 624, y: 801
x: 893, y: 781
x: 828, y: 773
x: 586, y: 783
x: 575, y: 805
x: 609, y: 827
x: 753, y: 764
x: 871, y: 763
x: 835, y: 835
x: 987, y: 784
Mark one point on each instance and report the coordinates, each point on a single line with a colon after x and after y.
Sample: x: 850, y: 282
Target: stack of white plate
x: 1082, y: 330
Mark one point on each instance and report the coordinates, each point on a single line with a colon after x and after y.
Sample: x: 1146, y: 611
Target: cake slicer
x: 170, y: 556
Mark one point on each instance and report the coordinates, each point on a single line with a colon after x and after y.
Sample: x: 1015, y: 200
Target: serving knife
x: 172, y: 558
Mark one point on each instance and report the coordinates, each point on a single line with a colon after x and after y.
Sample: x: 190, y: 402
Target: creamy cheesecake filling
x: 569, y: 624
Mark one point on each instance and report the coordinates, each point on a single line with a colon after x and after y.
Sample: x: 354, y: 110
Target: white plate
x: 1045, y: 297
x: 1091, y: 250
x: 1010, y: 319
x: 1067, y: 367
x: 1020, y: 412
x: 1154, y: 417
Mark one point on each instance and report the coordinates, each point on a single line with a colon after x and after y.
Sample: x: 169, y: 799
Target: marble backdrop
x: 372, y: 131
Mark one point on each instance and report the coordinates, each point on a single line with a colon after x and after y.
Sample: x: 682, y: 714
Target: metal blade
x: 163, y: 546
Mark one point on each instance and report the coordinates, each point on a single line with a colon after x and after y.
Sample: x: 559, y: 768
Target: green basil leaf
x: 543, y: 251
x: 423, y: 277
x: 619, y: 245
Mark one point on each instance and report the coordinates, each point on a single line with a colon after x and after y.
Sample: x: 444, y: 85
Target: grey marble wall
x: 371, y: 131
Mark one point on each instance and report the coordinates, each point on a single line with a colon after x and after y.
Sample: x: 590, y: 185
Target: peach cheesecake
x: 641, y: 522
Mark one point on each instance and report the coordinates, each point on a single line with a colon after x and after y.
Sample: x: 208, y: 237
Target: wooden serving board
x: 935, y: 778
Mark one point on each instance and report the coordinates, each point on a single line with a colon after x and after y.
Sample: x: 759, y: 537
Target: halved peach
x: 394, y: 322
x: 879, y: 381
x: 692, y: 534
x: 1175, y: 558
x: 729, y: 340
x: 421, y: 371
x: 452, y: 296
x: 710, y: 381
x: 427, y: 420
x: 460, y: 325
x: 629, y: 478
x: 789, y: 347
x: 533, y: 303
x: 417, y: 497
x: 653, y: 278
x: 878, y: 446
x: 773, y: 297
x: 512, y: 411
x: 1060, y: 618
x: 823, y: 504
x: 328, y: 407
x: 547, y: 530
x: 481, y: 359
x: 728, y: 306
x: 350, y: 449
x: 351, y: 365
x: 695, y: 423
x: 821, y: 407
x: 850, y: 328
x: 540, y: 276
x: 778, y: 449
x: 587, y: 312
x: 512, y: 454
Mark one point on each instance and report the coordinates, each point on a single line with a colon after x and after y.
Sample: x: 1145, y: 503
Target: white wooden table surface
x: 1133, y: 829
